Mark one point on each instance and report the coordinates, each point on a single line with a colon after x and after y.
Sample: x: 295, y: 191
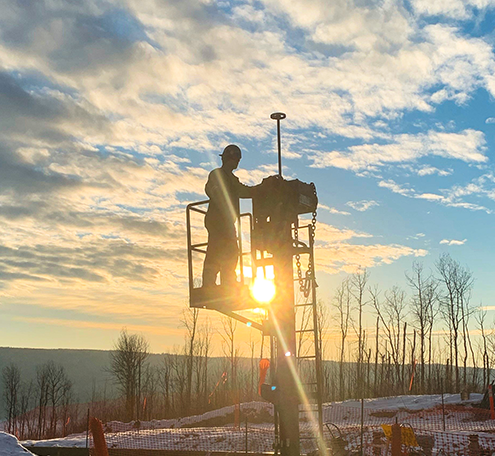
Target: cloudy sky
x: 113, y: 113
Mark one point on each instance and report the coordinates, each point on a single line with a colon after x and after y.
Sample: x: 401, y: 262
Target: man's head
x: 231, y: 156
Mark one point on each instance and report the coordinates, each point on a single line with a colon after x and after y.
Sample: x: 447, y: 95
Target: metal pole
x: 273, y: 380
x: 87, y: 430
x: 279, y: 149
x: 443, y: 407
x: 284, y: 316
x: 278, y: 116
x: 362, y: 423
x: 246, y: 432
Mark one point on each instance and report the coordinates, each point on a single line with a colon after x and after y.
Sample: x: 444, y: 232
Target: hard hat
x: 231, y: 151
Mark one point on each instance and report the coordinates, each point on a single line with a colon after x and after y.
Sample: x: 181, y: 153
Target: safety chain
x: 305, y: 283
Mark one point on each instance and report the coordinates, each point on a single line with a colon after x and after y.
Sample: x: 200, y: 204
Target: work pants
x: 221, y: 256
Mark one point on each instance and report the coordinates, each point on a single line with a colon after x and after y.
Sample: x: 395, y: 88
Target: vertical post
x: 278, y: 116
x: 396, y: 439
x: 318, y: 348
x: 474, y: 445
x: 87, y: 430
x: 283, y: 317
x: 279, y: 149
x: 362, y: 423
x: 490, y: 397
x: 246, y: 417
x: 443, y: 407
x: 139, y: 391
x: 189, y: 250
x: 273, y: 380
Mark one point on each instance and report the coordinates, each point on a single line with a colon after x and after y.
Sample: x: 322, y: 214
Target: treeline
x: 41, y: 408
x: 420, y: 342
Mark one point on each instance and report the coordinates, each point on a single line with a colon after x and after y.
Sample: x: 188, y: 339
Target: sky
x: 113, y: 114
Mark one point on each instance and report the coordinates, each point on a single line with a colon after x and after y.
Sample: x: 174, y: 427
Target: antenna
x: 278, y: 116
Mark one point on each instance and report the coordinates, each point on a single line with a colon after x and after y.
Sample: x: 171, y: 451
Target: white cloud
x: 456, y: 9
x: 430, y: 196
x: 490, y: 120
x: 468, y: 146
x: 332, y: 210
x: 453, y: 241
x: 431, y: 170
x: 362, y: 205
x: 395, y: 187
x: 339, y: 250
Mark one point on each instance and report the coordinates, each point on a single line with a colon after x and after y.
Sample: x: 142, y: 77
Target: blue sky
x: 113, y: 113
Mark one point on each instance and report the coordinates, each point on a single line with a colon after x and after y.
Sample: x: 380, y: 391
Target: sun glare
x: 263, y: 290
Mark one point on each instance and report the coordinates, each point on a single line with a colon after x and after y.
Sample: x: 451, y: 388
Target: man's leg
x: 211, y: 265
x: 228, y: 263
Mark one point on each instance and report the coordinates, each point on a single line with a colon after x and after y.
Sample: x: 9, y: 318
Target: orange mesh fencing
x: 452, y: 430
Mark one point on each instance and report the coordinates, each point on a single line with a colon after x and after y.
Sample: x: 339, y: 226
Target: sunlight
x: 263, y: 289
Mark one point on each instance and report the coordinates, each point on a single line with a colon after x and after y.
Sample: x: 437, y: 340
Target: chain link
x: 309, y: 279
x: 298, y: 257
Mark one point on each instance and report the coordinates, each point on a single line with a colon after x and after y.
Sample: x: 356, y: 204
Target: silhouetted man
x: 224, y: 190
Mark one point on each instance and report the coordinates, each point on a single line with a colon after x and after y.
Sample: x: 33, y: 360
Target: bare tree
x: 42, y: 373
x: 11, y: 377
x: 423, y: 309
x: 127, y: 359
x: 190, y: 321
x: 58, y: 385
x: 342, y: 305
x: 457, y: 284
x: 392, y: 312
x: 359, y: 283
x: 480, y: 318
x: 231, y: 351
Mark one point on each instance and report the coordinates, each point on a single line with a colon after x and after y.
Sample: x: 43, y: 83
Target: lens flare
x: 263, y: 290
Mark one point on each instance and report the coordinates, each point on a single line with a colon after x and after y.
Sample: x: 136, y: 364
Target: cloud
x: 456, y: 9
x: 490, y: 120
x: 362, y: 205
x: 468, y: 146
x: 395, y: 187
x: 340, y: 250
x: 430, y: 170
x: 453, y: 241
x: 108, y: 112
x: 333, y: 210
x: 482, y: 186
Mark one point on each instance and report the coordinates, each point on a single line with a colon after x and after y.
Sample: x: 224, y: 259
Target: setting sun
x: 263, y: 290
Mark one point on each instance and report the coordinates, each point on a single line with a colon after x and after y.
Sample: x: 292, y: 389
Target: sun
x: 263, y: 290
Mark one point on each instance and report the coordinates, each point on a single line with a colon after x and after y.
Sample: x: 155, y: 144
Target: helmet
x: 231, y: 151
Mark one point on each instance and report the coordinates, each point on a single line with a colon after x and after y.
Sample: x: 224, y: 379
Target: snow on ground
x: 411, y: 402
x: 10, y: 446
x: 214, y: 431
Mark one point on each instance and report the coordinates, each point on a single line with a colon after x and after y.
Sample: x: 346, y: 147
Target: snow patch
x: 10, y: 446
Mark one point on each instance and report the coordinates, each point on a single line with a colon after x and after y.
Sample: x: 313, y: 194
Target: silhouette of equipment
x: 276, y: 204
x: 275, y: 244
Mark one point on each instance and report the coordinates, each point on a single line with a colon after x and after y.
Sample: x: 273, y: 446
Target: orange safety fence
x: 452, y: 430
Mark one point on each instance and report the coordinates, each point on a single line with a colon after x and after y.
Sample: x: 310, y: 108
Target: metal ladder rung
x: 307, y: 357
x: 304, y: 330
x: 304, y: 304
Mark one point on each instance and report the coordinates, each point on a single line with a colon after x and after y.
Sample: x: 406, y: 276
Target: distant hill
x: 86, y: 368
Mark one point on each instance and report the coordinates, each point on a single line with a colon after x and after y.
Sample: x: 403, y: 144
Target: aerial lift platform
x: 272, y: 241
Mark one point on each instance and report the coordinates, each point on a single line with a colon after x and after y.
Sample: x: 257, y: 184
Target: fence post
x: 396, y: 439
x: 474, y: 445
x: 246, y: 417
x: 87, y: 430
x: 443, y: 409
x: 362, y: 425
x: 490, y: 396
